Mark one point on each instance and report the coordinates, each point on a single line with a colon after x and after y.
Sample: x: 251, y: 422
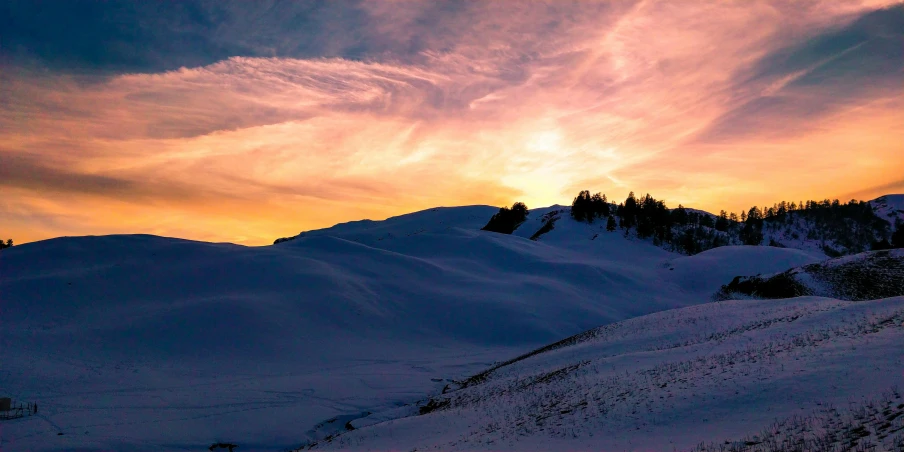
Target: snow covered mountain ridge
x: 827, y: 227
x: 133, y: 342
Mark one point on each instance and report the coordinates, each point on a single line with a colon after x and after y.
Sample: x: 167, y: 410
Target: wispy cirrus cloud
x: 791, y: 88
x: 440, y: 103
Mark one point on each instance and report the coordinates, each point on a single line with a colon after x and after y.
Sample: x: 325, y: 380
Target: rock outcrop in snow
x: 865, y: 276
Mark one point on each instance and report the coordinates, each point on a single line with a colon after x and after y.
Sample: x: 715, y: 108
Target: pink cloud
x: 503, y: 102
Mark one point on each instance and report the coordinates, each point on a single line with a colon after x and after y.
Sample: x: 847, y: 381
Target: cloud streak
x: 445, y: 103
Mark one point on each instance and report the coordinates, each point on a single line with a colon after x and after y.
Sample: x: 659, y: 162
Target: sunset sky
x: 246, y: 121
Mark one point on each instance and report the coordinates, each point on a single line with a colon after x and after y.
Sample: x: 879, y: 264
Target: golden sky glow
x: 715, y: 105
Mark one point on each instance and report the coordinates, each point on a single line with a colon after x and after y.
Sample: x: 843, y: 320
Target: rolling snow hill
x: 672, y: 380
x: 143, y: 342
x: 436, y: 220
x: 889, y: 207
x: 864, y: 276
x: 836, y: 230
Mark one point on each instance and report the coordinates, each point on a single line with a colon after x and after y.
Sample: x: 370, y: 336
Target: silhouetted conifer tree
x: 897, y: 238
x: 585, y: 207
x: 722, y: 221
x: 679, y: 215
x: 507, y: 220
x: 629, y: 212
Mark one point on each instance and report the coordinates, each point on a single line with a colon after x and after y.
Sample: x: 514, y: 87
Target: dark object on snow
x: 549, y: 222
x: 865, y: 276
x: 507, y: 220
x: 9, y: 410
x: 782, y: 285
x: 586, y: 207
x: 897, y: 238
x: 222, y: 446
x: 433, y: 405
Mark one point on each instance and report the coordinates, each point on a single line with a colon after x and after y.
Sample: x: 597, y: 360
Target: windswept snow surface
x: 712, y: 268
x: 666, y: 381
x: 435, y: 220
x: 862, y: 276
x: 144, y: 342
x: 889, y: 208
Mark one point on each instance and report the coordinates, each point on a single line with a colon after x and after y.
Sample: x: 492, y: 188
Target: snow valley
x: 551, y: 330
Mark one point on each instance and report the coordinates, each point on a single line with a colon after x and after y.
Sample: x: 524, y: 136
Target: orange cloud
x: 702, y: 104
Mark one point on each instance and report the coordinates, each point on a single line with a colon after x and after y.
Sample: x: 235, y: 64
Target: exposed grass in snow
x: 396, y: 334
x: 865, y: 276
x: 874, y: 426
x: 722, y: 369
x: 549, y: 223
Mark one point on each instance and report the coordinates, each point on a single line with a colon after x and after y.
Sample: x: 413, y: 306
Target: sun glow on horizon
x: 520, y: 108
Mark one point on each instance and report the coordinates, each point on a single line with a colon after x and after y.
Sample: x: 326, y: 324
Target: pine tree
x: 722, y: 221
x: 629, y: 212
x: 507, y: 220
x: 754, y: 214
x: 582, y: 206
x: 897, y: 237
x: 610, y: 223
x: 599, y: 205
x: 679, y: 215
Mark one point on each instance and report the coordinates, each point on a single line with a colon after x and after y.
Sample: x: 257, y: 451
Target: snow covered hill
x: 711, y: 268
x: 834, y: 230
x: 672, y: 380
x: 134, y: 341
x: 141, y: 342
x: 864, y: 276
x: 890, y: 208
x: 827, y: 228
x: 435, y: 220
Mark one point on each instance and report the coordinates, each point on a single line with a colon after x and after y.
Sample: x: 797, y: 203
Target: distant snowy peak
x: 434, y: 220
x: 540, y: 222
x: 889, y: 207
x: 895, y: 202
x: 698, y: 211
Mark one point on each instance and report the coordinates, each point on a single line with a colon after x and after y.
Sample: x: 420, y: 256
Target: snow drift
x: 137, y: 342
x: 670, y: 381
x: 865, y: 276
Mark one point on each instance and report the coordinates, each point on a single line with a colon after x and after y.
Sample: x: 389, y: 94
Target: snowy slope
x: 699, y: 275
x: 889, y: 208
x: 590, y: 239
x: 863, y: 276
x: 667, y: 381
x: 435, y: 220
x: 710, y: 269
x: 799, y: 231
x: 136, y: 342
x: 143, y: 340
